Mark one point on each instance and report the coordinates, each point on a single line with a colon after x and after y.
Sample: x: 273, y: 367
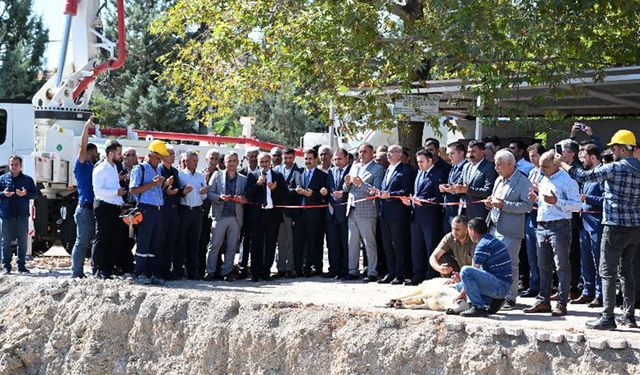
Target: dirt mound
x: 54, y: 326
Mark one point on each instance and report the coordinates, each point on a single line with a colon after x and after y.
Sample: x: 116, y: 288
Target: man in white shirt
x: 557, y: 198
x: 108, y: 201
x: 194, y: 192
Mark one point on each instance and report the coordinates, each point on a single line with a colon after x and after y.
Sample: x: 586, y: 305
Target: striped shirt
x: 493, y: 257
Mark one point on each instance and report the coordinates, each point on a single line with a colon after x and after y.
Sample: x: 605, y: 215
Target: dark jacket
x: 316, y: 183
x: 429, y: 189
x: 400, y: 184
x: 15, y: 206
x: 339, y: 210
x: 257, y: 195
x: 292, y: 182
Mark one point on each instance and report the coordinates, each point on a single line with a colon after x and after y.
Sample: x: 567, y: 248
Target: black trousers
x: 338, y: 244
x: 396, y: 247
x: 574, y: 255
x: 263, y: 243
x: 106, y: 241
x: 187, y: 243
x: 170, y: 226
x: 307, y: 242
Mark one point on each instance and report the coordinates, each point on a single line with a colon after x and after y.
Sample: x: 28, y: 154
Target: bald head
x: 547, y: 164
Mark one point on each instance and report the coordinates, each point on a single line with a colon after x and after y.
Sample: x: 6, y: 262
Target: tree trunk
x: 410, y: 136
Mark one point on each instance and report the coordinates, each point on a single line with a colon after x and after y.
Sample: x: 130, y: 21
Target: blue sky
x: 51, y: 10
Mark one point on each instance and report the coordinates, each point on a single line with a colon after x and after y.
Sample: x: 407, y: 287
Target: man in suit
x: 226, y: 191
x: 456, y: 152
x: 363, y: 177
x: 433, y: 146
x: 307, y: 229
x: 426, y: 218
x: 291, y: 173
x: 265, y: 189
x: 337, y: 224
x: 394, y: 217
x: 245, y: 234
x: 509, y: 203
x: 478, y: 177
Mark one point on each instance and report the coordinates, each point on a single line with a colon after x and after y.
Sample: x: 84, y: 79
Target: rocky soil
x: 49, y: 325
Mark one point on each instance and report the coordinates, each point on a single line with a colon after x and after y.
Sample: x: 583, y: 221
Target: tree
x: 133, y: 95
x: 330, y: 48
x: 23, y: 39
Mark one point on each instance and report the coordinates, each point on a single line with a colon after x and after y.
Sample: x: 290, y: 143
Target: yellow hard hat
x: 158, y: 147
x: 623, y: 137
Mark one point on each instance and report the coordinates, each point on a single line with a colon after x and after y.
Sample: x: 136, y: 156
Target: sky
x: 51, y: 11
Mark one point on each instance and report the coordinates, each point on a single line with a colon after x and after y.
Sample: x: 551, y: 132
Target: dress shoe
x: 329, y: 275
x: 538, y: 307
x: 23, y: 270
x: 560, y: 310
x: 627, y: 321
x: 496, y: 305
x: 413, y: 282
x: 554, y: 296
x: 350, y: 277
x: 597, y: 302
x: 574, y: 295
x: 582, y: 300
x: 209, y: 277
x: 289, y: 275
x: 279, y: 275
x: 370, y: 279
x: 385, y: 280
x: 266, y: 277
x: 316, y: 273
x: 529, y: 293
x: 474, y: 312
x: 396, y: 281
x: 228, y: 278
x: 255, y: 279
x: 603, y: 323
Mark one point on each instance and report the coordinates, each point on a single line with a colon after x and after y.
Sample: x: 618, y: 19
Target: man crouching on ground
x: 488, y: 281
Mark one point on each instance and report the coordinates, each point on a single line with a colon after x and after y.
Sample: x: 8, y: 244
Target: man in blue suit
x: 592, y: 196
x: 394, y: 216
x: 478, y: 177
x: 308, y: 228
x: 337, y: 223
x: 456, y: 152
x: 426, y: 218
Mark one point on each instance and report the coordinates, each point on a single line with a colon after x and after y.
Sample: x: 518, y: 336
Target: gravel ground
x: 52, y: 324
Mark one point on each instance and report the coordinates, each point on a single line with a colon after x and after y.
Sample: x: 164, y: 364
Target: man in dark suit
x: 265, y: 189
x: 291, y: 173
x: 433, y: 146
x: 456, y: 152
x: 426, y: 218
x: 394, y: 216
x: 478, y: 177
x: 307, y: 229
x: 337, y: 223
x: 245, y: 234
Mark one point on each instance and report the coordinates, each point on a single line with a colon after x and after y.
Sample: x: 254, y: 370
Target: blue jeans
x: 590, y: 236
x: 532, y: 250
x: 85, y: 231
x: 554, y: 242
x: 14, y: 228
x: 482, y: 287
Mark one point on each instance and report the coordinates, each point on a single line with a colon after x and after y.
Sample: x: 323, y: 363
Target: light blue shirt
x: 524, y: 166
x: 152, y: 196
x: 568, y: 193
x: 196, y: 180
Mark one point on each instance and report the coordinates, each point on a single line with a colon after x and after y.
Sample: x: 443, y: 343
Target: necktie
x: 307, y: 176
x: 338, y: 179
x: 419, y: 181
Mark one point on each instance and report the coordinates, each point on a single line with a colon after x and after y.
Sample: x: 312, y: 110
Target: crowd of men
x: 499, y: 221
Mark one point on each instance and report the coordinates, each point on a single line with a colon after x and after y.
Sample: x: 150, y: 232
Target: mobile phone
x: 559, y: 148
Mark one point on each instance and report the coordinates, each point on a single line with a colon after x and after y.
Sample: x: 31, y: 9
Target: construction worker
x: 146, y: 185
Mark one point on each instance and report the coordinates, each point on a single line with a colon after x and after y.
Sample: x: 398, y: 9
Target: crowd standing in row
x: 564, y: 210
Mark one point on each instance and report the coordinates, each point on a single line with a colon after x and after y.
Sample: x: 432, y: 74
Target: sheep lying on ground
x: 432, y: 294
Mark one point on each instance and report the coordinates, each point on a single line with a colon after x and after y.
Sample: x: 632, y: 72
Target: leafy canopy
x: 240, y: 51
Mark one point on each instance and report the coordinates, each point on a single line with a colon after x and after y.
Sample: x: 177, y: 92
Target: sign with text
x: 418, y: 107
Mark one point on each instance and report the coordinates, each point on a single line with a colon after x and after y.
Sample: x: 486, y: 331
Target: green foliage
x: 247, y: 50
x: 133, y: 95
x: 23, y: 39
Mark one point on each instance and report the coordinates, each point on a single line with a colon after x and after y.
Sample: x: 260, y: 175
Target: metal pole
x: 478, y: 134
x: 63, y: 51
